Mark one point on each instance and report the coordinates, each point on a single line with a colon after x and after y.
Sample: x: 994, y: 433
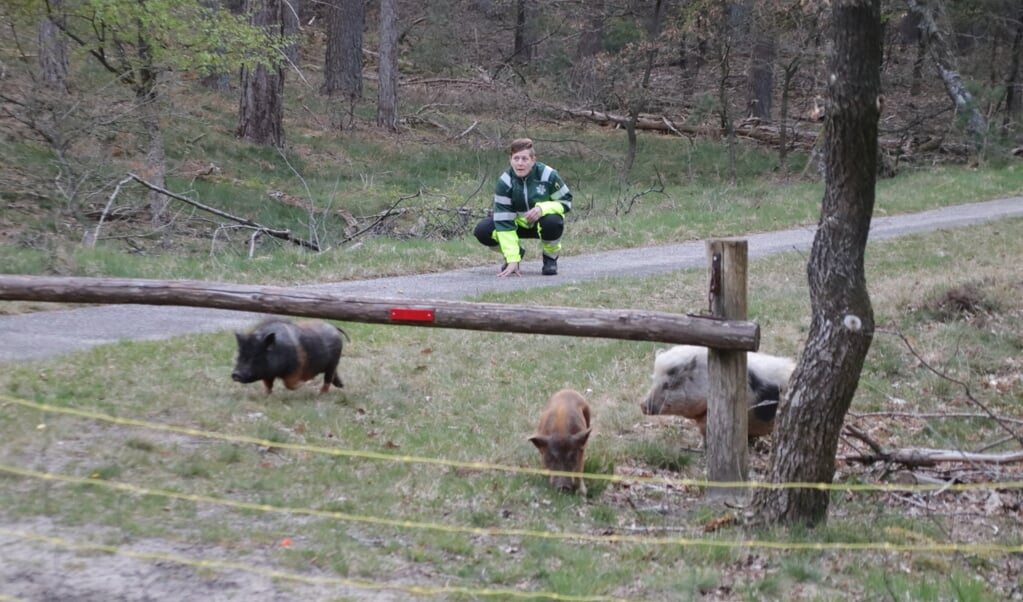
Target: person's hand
x: 533, y: 215
x: 511, y: 270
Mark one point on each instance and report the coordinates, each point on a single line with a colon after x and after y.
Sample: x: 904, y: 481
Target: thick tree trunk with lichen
x: 842, y: 322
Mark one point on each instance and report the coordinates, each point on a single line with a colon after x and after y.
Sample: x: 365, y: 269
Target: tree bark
x: 726, y: 29
x: 761, y: 75
x: 522, y: 52
x: 1013, y: 87
x: 53, y: 59
x: 788, y: 75
x: 387, y: 86
x: 591, y: 43
x: 944, y: 62
x: 343, y: 61
x: 842, y: 322
x: 149, y: 110
x: 291, y: 27
x: 261, y: 110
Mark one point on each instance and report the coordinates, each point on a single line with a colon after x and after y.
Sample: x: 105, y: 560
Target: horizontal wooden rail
x: 571, y: 321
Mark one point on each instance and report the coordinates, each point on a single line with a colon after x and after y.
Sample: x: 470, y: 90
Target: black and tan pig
x: 294, y: 352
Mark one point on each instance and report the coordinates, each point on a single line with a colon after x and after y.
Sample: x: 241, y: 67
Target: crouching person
x: 530, y: 201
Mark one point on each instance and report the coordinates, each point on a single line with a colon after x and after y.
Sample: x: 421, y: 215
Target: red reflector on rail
x: 412, y: 315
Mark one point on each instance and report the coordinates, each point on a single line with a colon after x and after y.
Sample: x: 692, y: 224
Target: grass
x: 474, y: 397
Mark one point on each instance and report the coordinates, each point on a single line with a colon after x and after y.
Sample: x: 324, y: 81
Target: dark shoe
x: 522, y: 254
x: 550, y: 266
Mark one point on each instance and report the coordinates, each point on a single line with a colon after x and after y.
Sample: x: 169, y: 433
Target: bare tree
x: 948, y: 71
x: 591, y: 43
x: 522, y: 53
x: 726, y: 36
x: 761, y: 70
x: 842, y: 322
x: 387, y: 92
x: 261, y: 109
x: 1013, y: 86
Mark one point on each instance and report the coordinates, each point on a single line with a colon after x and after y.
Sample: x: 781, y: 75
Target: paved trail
x: 46, y: 334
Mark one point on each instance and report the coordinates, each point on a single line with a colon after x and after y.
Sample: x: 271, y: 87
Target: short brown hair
x: 520, y: 144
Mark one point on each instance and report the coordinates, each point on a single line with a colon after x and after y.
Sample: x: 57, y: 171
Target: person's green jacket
x: 514, y: 196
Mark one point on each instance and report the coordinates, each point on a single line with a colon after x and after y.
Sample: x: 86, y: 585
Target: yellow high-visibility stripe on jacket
x: 513, y: 196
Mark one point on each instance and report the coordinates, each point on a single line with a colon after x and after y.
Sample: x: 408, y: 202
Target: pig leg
x: 269, y: 384
x: 330, y: 376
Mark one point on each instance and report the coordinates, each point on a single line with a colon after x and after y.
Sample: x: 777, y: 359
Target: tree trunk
x: 343, y: 63
x: 842, y: 322
x: 917, y: 81
x: 261, y: 111
x: 944, y: 61
x: 522, y: 52
x: 156, y: 160
x: 724, y: 59
x: 1013, y: 87
x: 591, y: 43
x: 221, y: 80
x: 789, y: 75
x: 387, y: 92
x: 591, y: 39
x: 53, y: 61
x: 638, y: 102
x: 149, y: 110
x: 291, y: 28
x: 761, y: 75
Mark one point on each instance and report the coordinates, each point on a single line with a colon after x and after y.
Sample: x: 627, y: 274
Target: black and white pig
x: 680, y: 386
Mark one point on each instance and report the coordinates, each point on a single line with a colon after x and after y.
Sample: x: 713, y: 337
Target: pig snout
x: 565, y: 483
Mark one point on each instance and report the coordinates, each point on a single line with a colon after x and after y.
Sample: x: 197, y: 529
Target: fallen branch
x: 923, y: 456
x: 930, y: 415
x: 91, y: 240
x: 281, y: 234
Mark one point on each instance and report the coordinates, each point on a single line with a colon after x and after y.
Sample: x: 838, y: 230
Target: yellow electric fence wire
x: 407, y: 524
x: 309, y: 579
x: 483, y: 466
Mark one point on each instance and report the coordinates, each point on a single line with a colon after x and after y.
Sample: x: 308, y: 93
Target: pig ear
x: 269, y: 339
x: 659, y: 352
x: 579, y: 439
x: 539, y: 441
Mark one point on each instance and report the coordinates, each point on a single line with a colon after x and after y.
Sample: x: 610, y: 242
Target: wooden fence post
x: 727, y: 404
